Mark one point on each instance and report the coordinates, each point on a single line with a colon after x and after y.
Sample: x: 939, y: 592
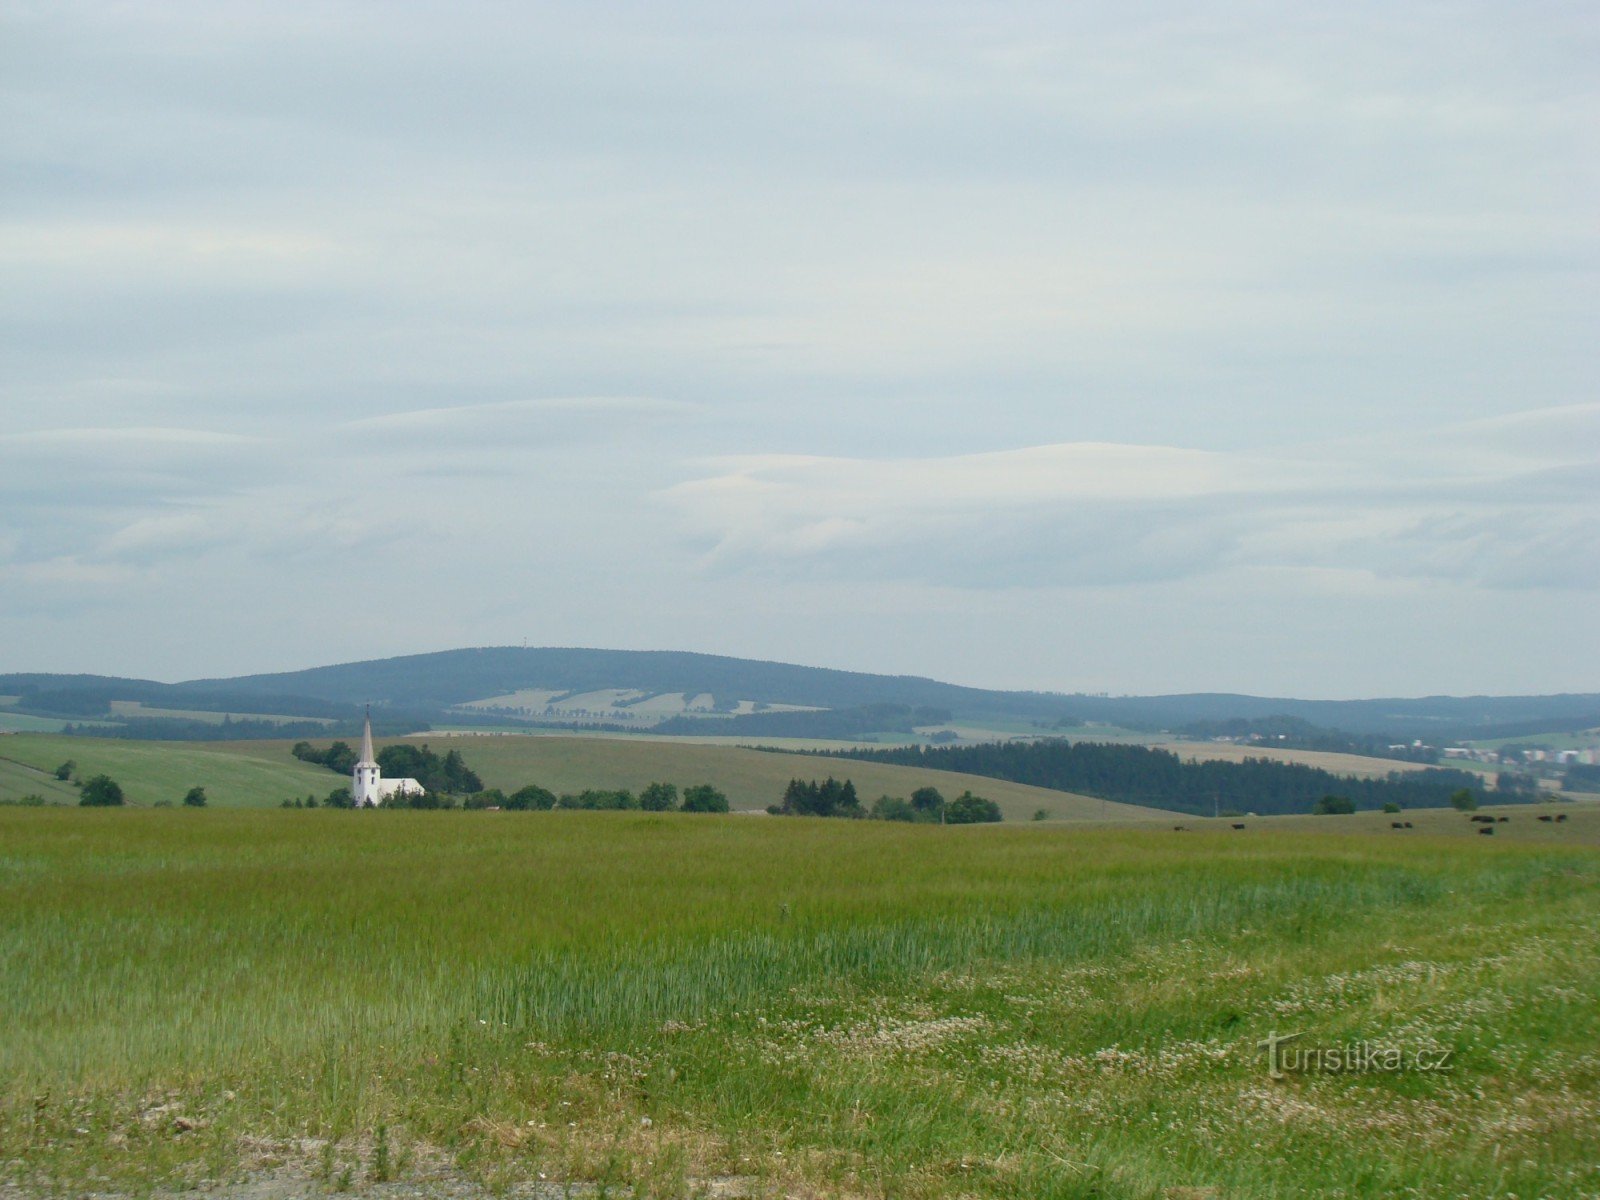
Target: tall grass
x: 474, y: 982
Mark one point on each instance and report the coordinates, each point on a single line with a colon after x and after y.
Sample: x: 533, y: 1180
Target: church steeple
x: 365, y: 778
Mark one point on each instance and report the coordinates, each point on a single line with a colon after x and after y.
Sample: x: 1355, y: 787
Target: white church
x: 368, y: 787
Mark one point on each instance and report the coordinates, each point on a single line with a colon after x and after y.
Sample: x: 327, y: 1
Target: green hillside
x: 244, y: 774
x: 234, y: 775
x: 752, y: 779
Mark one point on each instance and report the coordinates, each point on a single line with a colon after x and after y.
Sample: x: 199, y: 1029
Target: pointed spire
x: 366, y: 742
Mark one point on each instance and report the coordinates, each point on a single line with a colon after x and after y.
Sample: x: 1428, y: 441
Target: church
x: 368, y: 787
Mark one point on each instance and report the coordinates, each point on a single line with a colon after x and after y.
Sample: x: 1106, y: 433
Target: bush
x: 101, y: 792
x: 1041, y: 814
x: 1334, y: 806
x: 1464, y: 800
x: 967, y: 809
x: 892, y: 808
x: 830, y: 798
x: 659, y: 797
x: 1389, y: 806
x: 928, y: 802
x: 531, y: 797
x: 65, y: 770
x: 488, y: 798
x: 196, y: 798
x: 704, y: 798
x: 600, y: 799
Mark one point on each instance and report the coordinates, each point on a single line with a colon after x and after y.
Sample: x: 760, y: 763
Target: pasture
x: 264, y: 773
x: 234, y: 774
x: 663, y: 1005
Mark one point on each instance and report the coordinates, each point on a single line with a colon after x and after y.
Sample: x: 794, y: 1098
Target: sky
x: 1123, y: 347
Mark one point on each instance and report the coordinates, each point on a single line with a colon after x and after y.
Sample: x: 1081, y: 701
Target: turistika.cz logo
x: 1352, y: 1058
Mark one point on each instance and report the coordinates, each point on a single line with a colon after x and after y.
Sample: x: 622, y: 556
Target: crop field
x: 1359, y: 765
x: 678, y: 1005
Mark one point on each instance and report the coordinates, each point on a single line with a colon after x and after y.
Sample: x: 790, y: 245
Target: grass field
x: 235, y: 775
x: 1580, y: 823
x: 136, y: 708
x: 663, y: 1004
x: 751, y: 778
x: 264, y: 773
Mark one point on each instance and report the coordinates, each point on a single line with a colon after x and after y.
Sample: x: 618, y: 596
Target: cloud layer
x: 899, y: 337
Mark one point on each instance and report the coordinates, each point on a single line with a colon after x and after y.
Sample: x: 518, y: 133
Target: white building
x: 368, y: 787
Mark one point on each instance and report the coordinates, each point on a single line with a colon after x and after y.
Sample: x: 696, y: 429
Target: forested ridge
x: 1160, y: 779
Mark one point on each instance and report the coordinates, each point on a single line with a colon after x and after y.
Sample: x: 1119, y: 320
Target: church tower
x: 364, y: 779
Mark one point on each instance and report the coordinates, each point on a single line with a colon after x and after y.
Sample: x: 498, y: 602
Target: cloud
x: 1501, y: 504
x: 490, y: 426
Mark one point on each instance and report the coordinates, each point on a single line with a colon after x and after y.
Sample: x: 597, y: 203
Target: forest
x: 1160, y: 779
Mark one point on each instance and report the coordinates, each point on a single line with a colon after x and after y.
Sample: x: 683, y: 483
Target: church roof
x: 366, y: 743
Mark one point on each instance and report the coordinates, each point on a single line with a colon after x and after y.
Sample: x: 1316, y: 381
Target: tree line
x: 837, y: 798
x: 447, y: 773
x: 1158, y: 778
x: 655, y: 797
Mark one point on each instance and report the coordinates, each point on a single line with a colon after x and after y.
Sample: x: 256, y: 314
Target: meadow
x: 676, y: 1005
x: 264, y: 773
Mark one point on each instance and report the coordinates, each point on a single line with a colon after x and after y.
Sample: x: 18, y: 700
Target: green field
x: 136, y: 708
x: 264, y: 773
x: 667, y: 1004
x: 234, y: 774
x: 751, y: 778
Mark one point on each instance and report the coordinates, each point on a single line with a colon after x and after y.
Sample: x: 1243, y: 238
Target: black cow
x: 1487, y: 831
x: 1561, y: 816
x: 1546, y: 817
x: 1237, y: 826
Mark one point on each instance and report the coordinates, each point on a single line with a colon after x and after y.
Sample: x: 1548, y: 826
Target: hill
x: 264, y: 773
x: 744, y: 697
x: 234, y: 775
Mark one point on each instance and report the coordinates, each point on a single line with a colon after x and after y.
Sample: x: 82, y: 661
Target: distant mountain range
x: 514, y: 685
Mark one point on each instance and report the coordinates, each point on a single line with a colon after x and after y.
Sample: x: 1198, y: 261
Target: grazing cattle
x: 1503, y: 820
x: 1546, y: 817
x: 1180, y: 829
x: 1397, y: 824
x: 1238, y: 825
x: 1482, y: 818
x: 1408, y: 824
x: 1561, y: 816
x: 1487, y: 831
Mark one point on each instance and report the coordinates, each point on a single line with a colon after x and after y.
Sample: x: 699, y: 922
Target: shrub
x: 704, y: 798
x: 1464, y: 800
x: 929, y: 803
x: 65, y: 770
x: 1334, y: 806
x: 1389, y: 806
x: 659, y: 797
x: 892, y: 808
x: 967, y: 809
x: 196, y: 798
x: 101, y: 792
x: 530, y: 797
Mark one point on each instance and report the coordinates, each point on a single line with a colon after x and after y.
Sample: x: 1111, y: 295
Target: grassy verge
x: 844, y: 1009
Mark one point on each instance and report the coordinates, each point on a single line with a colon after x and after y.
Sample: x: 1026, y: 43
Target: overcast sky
x: 1101, y: 346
